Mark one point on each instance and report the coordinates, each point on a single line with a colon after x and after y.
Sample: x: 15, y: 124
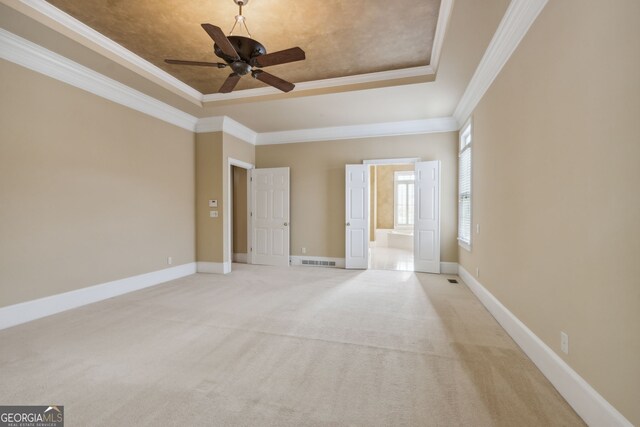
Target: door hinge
x: 250, y: 213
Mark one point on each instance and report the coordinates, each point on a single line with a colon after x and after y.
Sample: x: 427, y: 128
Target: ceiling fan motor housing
x: 246, y: 48
x: 242, y: 54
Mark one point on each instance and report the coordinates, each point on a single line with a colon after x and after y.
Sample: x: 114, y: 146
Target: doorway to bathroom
x: 393, y: 223
x: 391, y: 216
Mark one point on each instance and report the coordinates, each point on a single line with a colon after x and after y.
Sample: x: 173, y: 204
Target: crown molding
x: 210, y: 124
x: 514, y: 25
x: 444, y: 15
x: 132, y: 61
x: 410, y: 127
x: 228, y: 125
x: 326, y: 83
x: 50, y: 15
x: 446, y: 6
x: 239, y: 130
x: 30, y: 55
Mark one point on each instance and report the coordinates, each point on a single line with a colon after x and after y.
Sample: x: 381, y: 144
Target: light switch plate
x: 213, y: 203
x: 213, y: 214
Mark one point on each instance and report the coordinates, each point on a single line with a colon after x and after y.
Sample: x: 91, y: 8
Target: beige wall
x: 317, y: 185
x: 213, y: 181
x: 209, y: 168
x: 239, y: 210
x: 385, y: 193
x: 91, y: 191
x: 555, y: 178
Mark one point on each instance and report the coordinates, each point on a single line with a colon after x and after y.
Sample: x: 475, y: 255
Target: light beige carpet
x: 270, y: 346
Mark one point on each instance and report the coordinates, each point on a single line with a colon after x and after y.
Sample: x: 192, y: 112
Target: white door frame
x: 403, y: 161
x: 399, y: 161
x: 227, y: 209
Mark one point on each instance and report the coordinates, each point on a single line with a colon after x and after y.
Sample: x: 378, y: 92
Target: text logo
x: 32, y: 416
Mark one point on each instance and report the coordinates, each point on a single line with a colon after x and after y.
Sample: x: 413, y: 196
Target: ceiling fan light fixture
x: 240, y: 68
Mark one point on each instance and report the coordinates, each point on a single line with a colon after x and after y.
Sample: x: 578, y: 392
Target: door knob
x: 286, y: 223
x: 348, y: 224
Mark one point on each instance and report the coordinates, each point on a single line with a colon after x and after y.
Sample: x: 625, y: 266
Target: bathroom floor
x: 381, y: 258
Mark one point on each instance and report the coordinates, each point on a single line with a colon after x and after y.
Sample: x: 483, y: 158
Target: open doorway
x: 421, y: 195
x: 391, y: 216
x: 237, y: 220
x: 239, y: 214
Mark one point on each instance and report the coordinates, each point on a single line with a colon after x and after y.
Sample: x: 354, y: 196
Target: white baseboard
x: 445, y: 267
x: 297, y: 260
x: 241, y: 258
x: 31, y: 310
x: 214, y: 267
x: 448, y: 268
x: 587, y: 402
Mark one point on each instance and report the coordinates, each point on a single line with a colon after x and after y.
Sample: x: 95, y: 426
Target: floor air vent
x: 322, y: 263
x: 452, y: 280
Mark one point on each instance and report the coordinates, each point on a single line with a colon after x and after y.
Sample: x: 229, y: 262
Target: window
x: 404, y: 194
x: 464, y: 187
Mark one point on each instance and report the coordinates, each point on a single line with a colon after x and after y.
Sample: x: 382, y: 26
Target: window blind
x: 464, y: 187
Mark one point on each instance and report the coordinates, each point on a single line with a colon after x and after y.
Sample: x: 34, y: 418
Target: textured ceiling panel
x: 341, y: 38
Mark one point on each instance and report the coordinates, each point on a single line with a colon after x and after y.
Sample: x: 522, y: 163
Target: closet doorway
x: 239, y: 214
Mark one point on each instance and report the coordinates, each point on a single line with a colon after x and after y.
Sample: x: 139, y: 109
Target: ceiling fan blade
x: 221, y: 40
x: 274, y: 81
x: 230, y: 83
x: 280, y: 57
x: 198, y: 63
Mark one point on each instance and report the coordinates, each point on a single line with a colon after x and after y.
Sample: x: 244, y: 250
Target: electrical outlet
x: 213, y: 214
x: 564, y: 342
x: 169, y: 260
x: 304, y: 251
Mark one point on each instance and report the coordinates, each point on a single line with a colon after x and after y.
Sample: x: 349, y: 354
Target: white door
x: 270, y: 216
x: 357, y: 216
x: 426, y: 234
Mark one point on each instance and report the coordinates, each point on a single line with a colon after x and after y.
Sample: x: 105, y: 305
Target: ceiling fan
x: 244, y: 55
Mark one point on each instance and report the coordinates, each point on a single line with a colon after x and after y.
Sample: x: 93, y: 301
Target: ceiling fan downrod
x: 240, y: 19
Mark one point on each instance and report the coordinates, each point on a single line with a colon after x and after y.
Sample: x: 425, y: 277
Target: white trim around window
x: 465, y: 223
x: 403, y: 188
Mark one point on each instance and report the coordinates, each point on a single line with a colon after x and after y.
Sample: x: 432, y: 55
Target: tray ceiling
x: 340, y: 38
